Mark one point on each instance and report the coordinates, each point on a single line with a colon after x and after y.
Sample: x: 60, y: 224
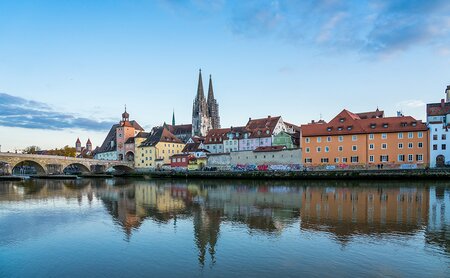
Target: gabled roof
x: 136, y: 125
x: 347, y: 122
x: 180, y: 129
x: 438, y: 109
x: 160, y: 134
x: 106, y: 146
x: 216, y: 136
x: 372, y: 114
x: 262, y: 127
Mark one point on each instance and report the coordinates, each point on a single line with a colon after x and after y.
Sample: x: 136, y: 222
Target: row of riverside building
x: 368, y: 140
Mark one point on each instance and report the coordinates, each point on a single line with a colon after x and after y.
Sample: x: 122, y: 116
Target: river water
x: 165, y: 228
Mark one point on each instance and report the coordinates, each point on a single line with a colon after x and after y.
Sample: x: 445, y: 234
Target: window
x: 400, y: 145
x: 371, y: 147
x: 319, y: 149
x: 371, y: 158
x: 410, y: 157
x: 420, y: 134
x: 435, y: 147
x: 419, y: 157
x: 308, y: 160
x: 383, y: 135
x: 307, y: 140
x: 383, y: 146
x: 324, y: 160
x: 340, y: 148
x: 183, y: 159
x: 319, y: 139
x: 410, y: 145
x: 354, y: 159
x: 384, y: 158
x: 444, y: 147
x: 329, y: 139
x: 400, y: 135
x: 354, y: 137
x: 344, y: 160
x: 336, y: 160
x: 371, y: 136
x: 435, y: 137
x: 410, y: 135
x: 327, y: 149
x: 444, y: 136
x: 354, y: 148
x: 420, y: 145
x: 307, y: 150
x: 341, y: 138
x: 401, y: 157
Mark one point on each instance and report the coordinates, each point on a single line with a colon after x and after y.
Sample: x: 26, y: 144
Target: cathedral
x: 205, y: 112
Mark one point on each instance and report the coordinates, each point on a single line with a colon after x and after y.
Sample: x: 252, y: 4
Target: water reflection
x: 343, y: 210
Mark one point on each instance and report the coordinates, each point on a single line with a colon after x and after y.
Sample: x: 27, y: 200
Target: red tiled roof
x: 347, y: 122
x: 438, y: 109
x: 160, y: 134
x: 372, y: 114
x: 216, y: 136
x: 180, y: 129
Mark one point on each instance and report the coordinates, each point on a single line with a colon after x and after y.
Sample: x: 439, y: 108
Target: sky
x: 68, y: 68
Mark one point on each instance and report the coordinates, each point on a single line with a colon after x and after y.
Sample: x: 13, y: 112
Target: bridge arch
x: 76, y: 168
x: 28, y: 167
x: 129, y: 156
x: 123, y: 169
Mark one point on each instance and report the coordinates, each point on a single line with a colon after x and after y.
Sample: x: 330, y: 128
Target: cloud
x: 412, y: 103
x: 20, y: 112
x: 366, y: 27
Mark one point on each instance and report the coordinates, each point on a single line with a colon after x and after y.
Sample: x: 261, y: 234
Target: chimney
x: 268, y: 117
x: 249, y: 119
x: 312, y: 121
x: 447, y: 93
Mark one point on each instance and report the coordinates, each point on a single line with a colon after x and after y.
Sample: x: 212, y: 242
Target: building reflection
x: 344, y: 210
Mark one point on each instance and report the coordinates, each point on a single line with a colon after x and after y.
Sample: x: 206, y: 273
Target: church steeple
x: 200, y: 93
x: 210, y: 90
x: 173, y: 117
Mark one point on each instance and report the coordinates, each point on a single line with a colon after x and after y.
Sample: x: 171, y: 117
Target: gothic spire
x: 200, y: 93
x: 210, y: 90
x: 173, y: 117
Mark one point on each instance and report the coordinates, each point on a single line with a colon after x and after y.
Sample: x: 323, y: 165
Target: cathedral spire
x: 210, y: 90
x: 200, y: 93
x: 173, y: 117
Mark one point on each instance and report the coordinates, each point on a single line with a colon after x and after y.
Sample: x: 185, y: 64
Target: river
x: 179, y: 228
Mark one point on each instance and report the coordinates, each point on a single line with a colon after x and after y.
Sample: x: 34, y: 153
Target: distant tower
x: 447, y: 93
x: 124, y: 131
x: 200, y: 117
x: 89, y: 145
x: 213, y: 107
x: 173, y: 118
x: 78, y: 146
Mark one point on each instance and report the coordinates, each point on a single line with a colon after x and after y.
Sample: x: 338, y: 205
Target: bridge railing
x: 75, y: 159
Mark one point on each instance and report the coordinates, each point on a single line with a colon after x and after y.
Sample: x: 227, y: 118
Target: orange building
x: 366, y: 140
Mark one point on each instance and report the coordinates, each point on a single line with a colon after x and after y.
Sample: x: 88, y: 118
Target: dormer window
x: 403, y: 124
x: 342, y: 120
x: 373, y: 126
x: 329, y: 128
x: 414, y: 123
x: 267, y: 132
x: 385, y: 125
x: 340, y: 128
x: 259, y: 132
x: 350, y: 127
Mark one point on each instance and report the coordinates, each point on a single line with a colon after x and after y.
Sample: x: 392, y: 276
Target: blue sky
x: 68, y: 67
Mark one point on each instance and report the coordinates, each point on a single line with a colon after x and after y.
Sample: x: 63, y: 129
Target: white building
x: 438, y: 119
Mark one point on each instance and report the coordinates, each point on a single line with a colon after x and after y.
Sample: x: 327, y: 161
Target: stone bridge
x: 12, y: 163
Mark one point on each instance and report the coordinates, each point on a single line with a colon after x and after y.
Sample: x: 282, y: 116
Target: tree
x: 31, y: 150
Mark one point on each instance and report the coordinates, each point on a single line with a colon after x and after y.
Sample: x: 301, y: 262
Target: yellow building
x: 155, y: 151
x: 197, y: 163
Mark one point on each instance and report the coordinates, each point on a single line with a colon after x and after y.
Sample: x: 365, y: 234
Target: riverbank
x: 299, y: 175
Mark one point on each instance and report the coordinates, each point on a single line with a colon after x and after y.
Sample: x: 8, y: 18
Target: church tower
x: 78, y: 146
x: 89, y: 145
x: 200, y: 118
x: 213, y: 107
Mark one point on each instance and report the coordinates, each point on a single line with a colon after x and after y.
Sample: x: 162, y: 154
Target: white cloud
x: 412, y: 103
